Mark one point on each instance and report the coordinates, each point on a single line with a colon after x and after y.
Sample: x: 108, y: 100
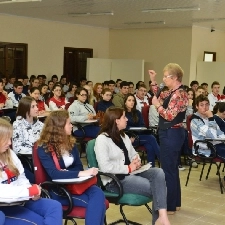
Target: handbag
x: 77, y: 188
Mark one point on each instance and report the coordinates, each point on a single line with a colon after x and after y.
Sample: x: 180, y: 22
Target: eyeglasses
x: 57, y: 90
x: 167, y: 76
x: 83, y: 95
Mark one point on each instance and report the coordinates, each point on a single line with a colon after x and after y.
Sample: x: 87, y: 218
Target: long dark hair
x: 133, y: 110
x: 109, y: 125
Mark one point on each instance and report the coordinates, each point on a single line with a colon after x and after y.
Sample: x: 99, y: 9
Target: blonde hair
x: 175, y: 70
x: 5, y: 157
x: 53, y: 133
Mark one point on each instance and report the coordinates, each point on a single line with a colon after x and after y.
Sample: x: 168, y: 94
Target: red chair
x: 71, y: 100
x: 213, y: 159
x: 69, y: 212
x: 145, y: 111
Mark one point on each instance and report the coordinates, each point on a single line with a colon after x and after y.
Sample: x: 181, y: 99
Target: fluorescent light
x: 171, y: 9
x: 146, y: 22
x: 18, y: 1
x: 92, y: 14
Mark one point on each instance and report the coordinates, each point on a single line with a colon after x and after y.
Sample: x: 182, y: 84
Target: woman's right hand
x: 90, y: 172
x: 90, y: 116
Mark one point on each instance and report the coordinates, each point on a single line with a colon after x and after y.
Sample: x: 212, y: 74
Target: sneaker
x: 180, y: 167
x: 192, y: 161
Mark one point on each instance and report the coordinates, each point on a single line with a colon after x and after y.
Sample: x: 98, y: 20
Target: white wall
x: 205, y: 40
x: 46, y: 41
x: 99, y: 70
x: 211, y: 71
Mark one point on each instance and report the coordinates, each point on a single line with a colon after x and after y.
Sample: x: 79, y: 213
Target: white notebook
x: 142, y: 169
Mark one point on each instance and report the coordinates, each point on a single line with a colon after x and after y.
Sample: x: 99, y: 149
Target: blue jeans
x: 90, y: 131
x: 220, y: 150
x: 93, y: 199
x: 41, y: 212
x: 150, y: 183
x: 171, y: 141
x: 151, y: 145
x: 2, y: 218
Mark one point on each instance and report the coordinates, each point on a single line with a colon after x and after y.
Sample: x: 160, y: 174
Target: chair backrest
x: 188, y: 123
x: 95, y: 106
x: 91, y: 157
x: 39, y: 171
x: 145, y: 111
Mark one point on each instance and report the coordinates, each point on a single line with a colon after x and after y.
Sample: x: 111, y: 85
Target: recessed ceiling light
x: 92, y: 14
x: 171, y: 9
x: 18, y: 1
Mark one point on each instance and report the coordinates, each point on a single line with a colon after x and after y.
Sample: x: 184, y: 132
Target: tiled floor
x: 202, y: 203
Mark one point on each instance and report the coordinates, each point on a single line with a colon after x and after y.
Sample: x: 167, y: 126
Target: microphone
x: 161, y: 86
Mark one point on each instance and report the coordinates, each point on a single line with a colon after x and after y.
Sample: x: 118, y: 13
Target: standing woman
x: 57, y: 102
x: 26, y: 128
x: 219, y: 115
x: 115, y: 154
x: 56, y: 137
x: 171, y: 106
x: 14, y: 185
x: 80, y: 111
x: 135, y: 119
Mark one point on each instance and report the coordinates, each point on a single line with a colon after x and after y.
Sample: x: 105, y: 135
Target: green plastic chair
x: 116, y: 198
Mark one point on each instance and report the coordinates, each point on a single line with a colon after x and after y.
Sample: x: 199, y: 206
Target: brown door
x: 13, y: 59
x: 75, y: 62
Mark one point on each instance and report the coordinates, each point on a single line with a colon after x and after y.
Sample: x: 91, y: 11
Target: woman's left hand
x: 155, y: 101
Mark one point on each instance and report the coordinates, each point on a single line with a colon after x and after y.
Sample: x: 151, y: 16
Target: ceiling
x: 126, y: 13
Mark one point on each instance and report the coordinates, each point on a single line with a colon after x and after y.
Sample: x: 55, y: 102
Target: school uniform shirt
x: 7, y: 102
x: 55, y: 104
x: 25, y: 135
x: 12, y: 187
x: 212, y: 100
x: 15, y: 97
x: 141, y: 102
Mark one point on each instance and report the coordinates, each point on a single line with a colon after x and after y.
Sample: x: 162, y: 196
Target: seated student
x: 111, y: 159
x: 194, y: 85
x: 54, y: 79
x: 34, y: 82
x: 141, y: 98
x: 71, y: 91
x: 14, y: 185
x: 90, y: 84
x: 135, y: 119
x: 44, y: 95
x: 118, y: 99
x: 26, y: 128
x: 105, y: 103
x: 80, y: 111
x: 131, y: 87
x: 5, y: 101
x: 112, y: 85
x: 63, y: 83
x: 42, y: 107
x: 203, y: 125
x: 16, y: 94
x: 57, y: 134
x: 83, y: 81
x: 214, y: 96
x: 97, y: 90
x: 50, y: 86
x: 57, y: 102
x: 191, y: 97
x: 219, y: 115
x: 117, y: 88
x: 25, y: 85
x: 9, y: 86
x: 205, y: 86
x: 40, y: 78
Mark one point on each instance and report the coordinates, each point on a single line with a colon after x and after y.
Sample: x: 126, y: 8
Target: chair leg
x: 203, y: 166
x: 220, y: 180
x: 105, y: 221
x: 149, y: 209
x: 188, y: 174
x: 123, y: 215
x: 208, y: 171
